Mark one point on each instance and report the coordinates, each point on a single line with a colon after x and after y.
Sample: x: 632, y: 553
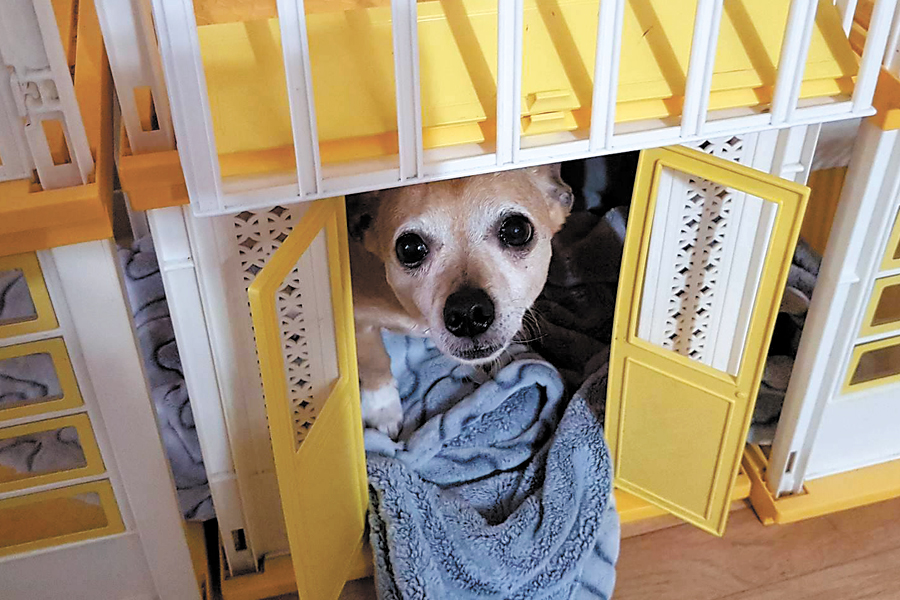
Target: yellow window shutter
x: 707, y: 253
x: 321, y: 468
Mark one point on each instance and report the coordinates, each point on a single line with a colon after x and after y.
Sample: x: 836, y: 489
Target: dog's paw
x: 382, y: 410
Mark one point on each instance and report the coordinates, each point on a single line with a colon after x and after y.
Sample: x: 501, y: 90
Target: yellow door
x: 320, y: 460
x: 707, y: 254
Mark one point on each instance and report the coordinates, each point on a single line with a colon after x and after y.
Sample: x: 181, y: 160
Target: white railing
x: 38, y: 89
x: 180, y: 48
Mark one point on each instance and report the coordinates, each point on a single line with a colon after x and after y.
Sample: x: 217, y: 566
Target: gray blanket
x: 500, y: 486
x: 143, y: 283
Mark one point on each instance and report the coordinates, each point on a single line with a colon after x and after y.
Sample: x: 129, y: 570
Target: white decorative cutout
x: 259, y: 234
x: 705, y: 216
x: 691, y: 255
x: 729, y: 148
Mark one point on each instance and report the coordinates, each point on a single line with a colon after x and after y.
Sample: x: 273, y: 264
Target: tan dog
x: 459, y: 261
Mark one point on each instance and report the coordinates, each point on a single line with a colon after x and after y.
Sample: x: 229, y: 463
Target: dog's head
x: 467, y: 256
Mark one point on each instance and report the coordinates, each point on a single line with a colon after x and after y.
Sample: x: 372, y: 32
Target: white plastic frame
x: 41, y: 88
x: 868, y: 205
x: 130, y: 41
x: 181, y: 58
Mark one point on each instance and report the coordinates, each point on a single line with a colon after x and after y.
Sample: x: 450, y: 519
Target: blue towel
x: 500, y: 486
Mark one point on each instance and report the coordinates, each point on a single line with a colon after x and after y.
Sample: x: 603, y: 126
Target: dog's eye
x: 411, y: 250
x: 516, y: 230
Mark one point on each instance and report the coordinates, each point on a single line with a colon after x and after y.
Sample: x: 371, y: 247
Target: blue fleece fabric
x: 500, y: 484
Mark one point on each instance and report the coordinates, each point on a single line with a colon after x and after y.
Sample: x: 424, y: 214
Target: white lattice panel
x: 703, y: 251
x: 305, y: 310
x: 704, y: 215
x: 729, y: 148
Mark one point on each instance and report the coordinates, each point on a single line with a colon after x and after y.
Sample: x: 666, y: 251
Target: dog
x: 458, y: 261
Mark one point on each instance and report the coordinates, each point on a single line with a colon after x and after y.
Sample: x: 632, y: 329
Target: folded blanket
x: 500, y: 487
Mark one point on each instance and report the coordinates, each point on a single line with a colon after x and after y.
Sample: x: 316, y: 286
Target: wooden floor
x: 852, y: 555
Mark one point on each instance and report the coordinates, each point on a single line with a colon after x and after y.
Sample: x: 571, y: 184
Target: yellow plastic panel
x: 352, y: 69
x: 453, y: 113
x: 883, y: 314
x: 677, y: 427
x: 34, y: 219
x: 151, y: 180
x: 323, y: 482
x: 741, y: 36
x: 38, y: 379
x: 558, y: 45
x: 246, y: 59
x: 57, y: 517
x: 48, y: 452
x: 825, y: 193
x: 652, y: 415
x: 874, y: 364
x: 21, y: 275
x: 821, y: 496
x: 66, y: 19
x: 892, y: 256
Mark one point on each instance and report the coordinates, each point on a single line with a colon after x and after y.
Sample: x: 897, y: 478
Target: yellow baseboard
x: 821, y: 496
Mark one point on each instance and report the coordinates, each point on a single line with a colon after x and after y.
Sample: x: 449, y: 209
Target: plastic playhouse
x: 236, y: 128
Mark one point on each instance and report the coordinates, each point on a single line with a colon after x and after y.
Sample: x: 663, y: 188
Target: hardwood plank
x: 684, y: 562
x: 873, y: 577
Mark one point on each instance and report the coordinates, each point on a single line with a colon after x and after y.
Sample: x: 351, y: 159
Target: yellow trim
x: 889, y: 262
x: 34, y: 278
x: 322, y: 549
x: 196, y: 540
x: 868, y: 328
x: 734, y: 394
x: 108, y: 504
x: 275, y: 579
x: 858, y: 352
x: 71, y: 396
x: 887, y: 102
x: 632, y: 509
x: 887, y: 92
x: 825, y: 187
x: 151, y: 180
x: 821, y: 496
x: 64, y: 11
x: 93, y: 460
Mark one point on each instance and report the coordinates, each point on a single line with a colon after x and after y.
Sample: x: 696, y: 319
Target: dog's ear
x: 549, y: 180
x: 361, y: 212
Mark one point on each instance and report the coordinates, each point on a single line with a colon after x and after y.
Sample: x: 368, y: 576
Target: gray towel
x: 500, y: 486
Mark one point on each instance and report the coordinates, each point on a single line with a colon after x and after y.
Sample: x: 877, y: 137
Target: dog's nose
x: 468, y: 312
